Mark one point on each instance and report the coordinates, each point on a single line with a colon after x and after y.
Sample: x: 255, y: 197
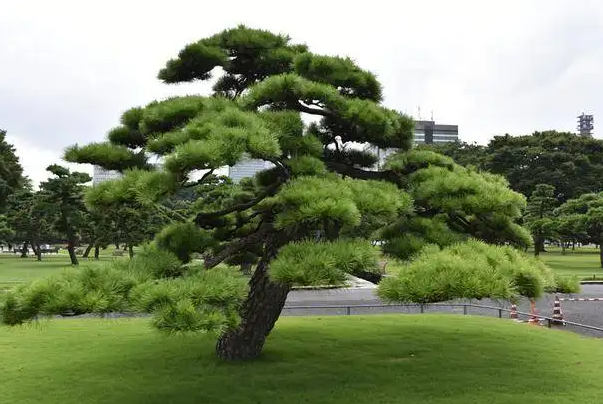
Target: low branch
x: 351, y: 171
x: 205, y: 216
x: 239, y: 245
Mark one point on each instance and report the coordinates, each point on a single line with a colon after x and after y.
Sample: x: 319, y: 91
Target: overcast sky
x: 69, y: 68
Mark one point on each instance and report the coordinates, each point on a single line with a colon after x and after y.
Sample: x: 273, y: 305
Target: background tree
x: 11, y: 172
x: 572, y: 164
x: 64, y: 193
x: 539, y: 215
x: 298, y: 214
x: 30, y: 217
x: 570, y: 229
x: 463, y: 153
x: 586, y: 211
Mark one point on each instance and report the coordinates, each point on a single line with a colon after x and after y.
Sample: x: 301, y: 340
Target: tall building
x: 100, y: 174
x: 586, y: 125
x: 247, y: 168
x: 426, y: 132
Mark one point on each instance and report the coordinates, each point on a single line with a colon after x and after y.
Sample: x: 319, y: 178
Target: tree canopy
x: 583, y: 216
x: 310, y: 219
x: 572, y: 164
x: 11, y: 171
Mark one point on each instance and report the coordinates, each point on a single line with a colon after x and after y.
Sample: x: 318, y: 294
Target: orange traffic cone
x: 533, y: 318
x: 557, y: 313
x: 513, y: 312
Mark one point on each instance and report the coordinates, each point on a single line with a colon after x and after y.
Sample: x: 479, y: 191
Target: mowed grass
x: 582, y: 262
x: 373, y: 359
x: 15, y: 270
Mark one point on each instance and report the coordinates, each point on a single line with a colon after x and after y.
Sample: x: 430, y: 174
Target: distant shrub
x: 118, y: 253
x: 565, y: 284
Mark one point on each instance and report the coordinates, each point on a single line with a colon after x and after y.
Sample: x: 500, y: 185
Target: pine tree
x: 64, y: 196
x: 539, y: 215
x: 310, y: 219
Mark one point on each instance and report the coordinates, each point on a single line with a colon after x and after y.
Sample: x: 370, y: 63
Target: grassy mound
x: 371, y: 359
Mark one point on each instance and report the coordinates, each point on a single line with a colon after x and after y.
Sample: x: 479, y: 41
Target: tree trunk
x: 130, y: 250
x: 563, y: 248
x: 259, y: 313
x: 573, y: 245
x: 37, y: 251
x: 87, y: 252
x: 601, y: 254
x: 96, y: 252
x: 537, y: 246
x: 72, y: 256
x: 24, y: 250
x: 246, y: 268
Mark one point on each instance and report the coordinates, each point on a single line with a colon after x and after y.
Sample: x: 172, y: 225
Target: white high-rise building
x: 247, y: 168
x: 100, y: 174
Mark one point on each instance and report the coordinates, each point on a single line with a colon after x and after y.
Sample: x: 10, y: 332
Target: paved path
x: 590, y: 313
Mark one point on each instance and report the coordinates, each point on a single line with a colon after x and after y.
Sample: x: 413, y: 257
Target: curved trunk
x: 96, y: 252
x: 88, y: 249
x: 259, y: 313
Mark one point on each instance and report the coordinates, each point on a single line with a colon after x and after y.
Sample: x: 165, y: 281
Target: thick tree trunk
x: 87, y: 251
x: 24, y: 250
x: 96, y: 252
x: 131, y: 250
x: 72, y: 255
x: 258, y: 315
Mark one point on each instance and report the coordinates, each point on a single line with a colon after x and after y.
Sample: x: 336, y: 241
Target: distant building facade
x: 426, y: 132
x: 100, y: 174
x: 247, y: 168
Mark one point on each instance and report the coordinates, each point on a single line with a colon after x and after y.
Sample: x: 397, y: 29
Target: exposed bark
x: 259, y: 313
x: 601, y: 254
x: 131, y: 250
x: 24, y: 249
x: 72, y: 255
x: 357, y: 173
x: 96, y: 252
x: 244, y: 243
x: 87, y: 251
x: 37, y: 250
x: 563, y: 246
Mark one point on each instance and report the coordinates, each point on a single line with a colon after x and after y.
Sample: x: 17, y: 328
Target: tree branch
x: 205, y: 216
x: 234, y: 247
x: 313, y: 111
x: 357, y: 173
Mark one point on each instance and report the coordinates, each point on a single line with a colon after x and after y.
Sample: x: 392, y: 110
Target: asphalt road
x: 590, y: 313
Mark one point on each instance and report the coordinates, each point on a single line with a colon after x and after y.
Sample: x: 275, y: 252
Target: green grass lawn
x: 583, y: 262
x: 15, y: 270
x: 372, y: 359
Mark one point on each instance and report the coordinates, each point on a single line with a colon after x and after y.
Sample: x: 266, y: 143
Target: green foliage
x: 70, y: 293
x: 342, y: 73
x: 205, y: 301
x: 107, y: 155
x: 183, y: 239
x: 470, y: 270
x: 565, y: 284
x: 323, y: 263
x: 11, y: 171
